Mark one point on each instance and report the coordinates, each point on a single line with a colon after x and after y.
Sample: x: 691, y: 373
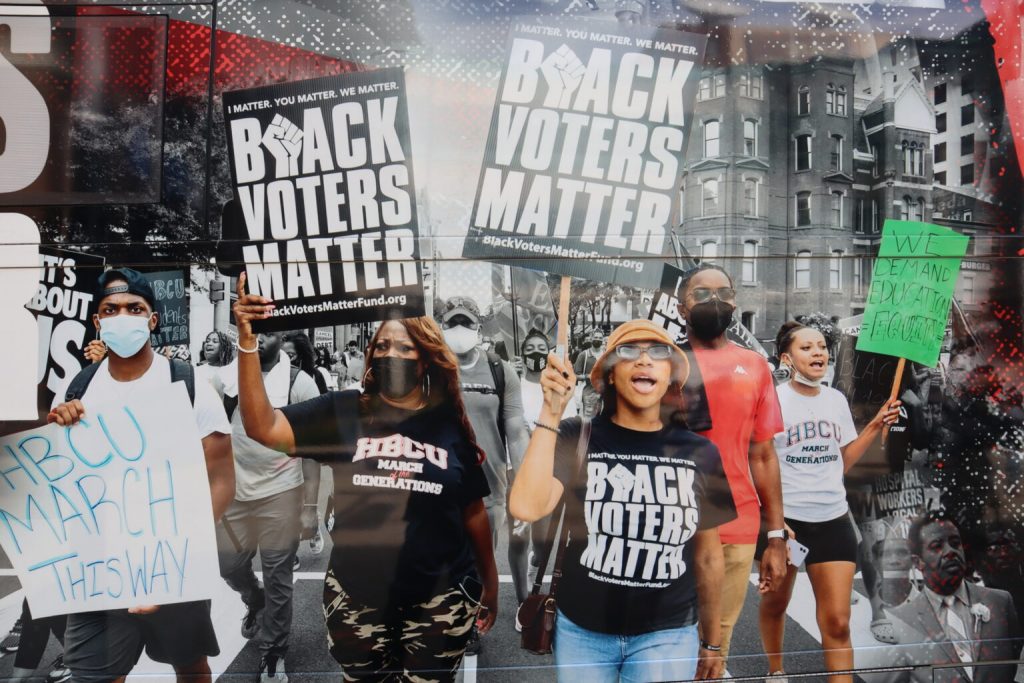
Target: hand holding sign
x: 558, y: 381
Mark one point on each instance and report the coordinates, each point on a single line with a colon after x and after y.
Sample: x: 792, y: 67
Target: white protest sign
x: 113, y: 512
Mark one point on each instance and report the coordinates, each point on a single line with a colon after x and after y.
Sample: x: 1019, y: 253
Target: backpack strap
x: 498, y: 375
x: 80, y: 382
x: 184, y: 372
x: 291, y: 380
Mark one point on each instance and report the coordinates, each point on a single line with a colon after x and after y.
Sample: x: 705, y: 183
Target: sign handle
x: 895, y: 392
x: 563, y: 317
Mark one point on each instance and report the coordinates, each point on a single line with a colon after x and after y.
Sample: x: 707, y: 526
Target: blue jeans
x: 584, y: 655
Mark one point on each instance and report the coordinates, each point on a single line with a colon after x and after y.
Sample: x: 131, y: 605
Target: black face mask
x: 396, y: 377
x: 709, y: 320
x: 595, y: 344
x: 535, y: 362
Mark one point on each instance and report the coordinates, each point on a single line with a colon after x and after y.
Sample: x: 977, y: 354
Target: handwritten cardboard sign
x: 171, y: 291
x: 911, y: 291
x: 114, y: 512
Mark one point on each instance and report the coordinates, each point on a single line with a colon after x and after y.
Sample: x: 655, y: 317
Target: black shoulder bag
x: 537, y: 613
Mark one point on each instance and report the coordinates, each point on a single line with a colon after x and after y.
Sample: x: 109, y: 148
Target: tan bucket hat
x: 637, y: 331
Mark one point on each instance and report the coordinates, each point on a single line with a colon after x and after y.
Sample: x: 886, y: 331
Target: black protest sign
x: 63, y: 305
x: 325, y: 202
x: 171, y: 291
x: 582, y: 169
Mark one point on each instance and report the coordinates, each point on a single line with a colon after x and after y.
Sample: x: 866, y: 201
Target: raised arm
x: 536, y: 491
x: 516, y: 433
x: 262, y: 422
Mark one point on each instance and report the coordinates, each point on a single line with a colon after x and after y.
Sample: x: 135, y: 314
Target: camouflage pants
x: 421, y: 643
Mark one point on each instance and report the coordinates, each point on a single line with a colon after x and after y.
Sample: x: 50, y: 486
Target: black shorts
x: 102, y: 646
x: 831, y: 541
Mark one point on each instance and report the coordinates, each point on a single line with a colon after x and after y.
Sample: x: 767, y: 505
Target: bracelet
x: 556, y: 430
x: 704, y: 645
x: 245, y: 350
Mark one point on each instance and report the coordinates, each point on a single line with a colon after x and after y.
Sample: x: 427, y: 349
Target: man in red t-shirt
x: 745, y: 416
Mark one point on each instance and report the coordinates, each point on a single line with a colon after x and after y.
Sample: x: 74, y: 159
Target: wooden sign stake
x: 895, y: 392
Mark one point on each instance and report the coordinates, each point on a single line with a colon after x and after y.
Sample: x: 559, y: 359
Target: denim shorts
x: 584, y: 655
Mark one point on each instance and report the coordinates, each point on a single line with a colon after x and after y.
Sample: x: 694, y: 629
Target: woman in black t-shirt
x: 643, y: 563
x: 412, y: 565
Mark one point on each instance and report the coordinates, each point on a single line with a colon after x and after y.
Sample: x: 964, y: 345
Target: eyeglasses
x: 703, y: 295
x: 654, y: 351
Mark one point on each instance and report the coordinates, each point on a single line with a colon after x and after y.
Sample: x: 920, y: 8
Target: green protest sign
x: 911, y: 291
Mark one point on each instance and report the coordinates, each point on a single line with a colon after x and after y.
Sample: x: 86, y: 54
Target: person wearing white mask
x: 491, y: 391
x: 105, y: 645
x: 818, y: 445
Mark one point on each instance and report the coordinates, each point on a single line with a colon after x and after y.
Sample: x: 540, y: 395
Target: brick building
x: 792, y: 170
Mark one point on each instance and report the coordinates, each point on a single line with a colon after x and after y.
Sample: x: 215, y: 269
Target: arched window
x: 917, y: 210
x: 905, y: 208
x: 803, y: 101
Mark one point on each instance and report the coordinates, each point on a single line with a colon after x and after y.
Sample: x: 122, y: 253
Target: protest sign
x: 325, y: 201
x: 911, y: 291
x: 62, y: 306
x: 583, y: 163
x: 664, y: 311
x: 171, y: 291
x: 113, y: 512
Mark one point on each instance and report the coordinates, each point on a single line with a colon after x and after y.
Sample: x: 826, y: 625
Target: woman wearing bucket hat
x: 643, y: 561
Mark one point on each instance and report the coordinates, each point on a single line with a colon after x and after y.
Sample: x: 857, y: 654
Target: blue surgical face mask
x: 124, y: 335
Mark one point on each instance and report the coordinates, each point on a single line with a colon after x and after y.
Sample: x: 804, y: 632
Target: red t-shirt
x: 744, y: 408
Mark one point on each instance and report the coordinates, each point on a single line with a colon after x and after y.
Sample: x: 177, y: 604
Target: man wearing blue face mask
x: 490, y: 388
x: 104, y: 646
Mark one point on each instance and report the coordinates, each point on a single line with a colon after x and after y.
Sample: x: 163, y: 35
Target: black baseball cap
x: 136, y: 283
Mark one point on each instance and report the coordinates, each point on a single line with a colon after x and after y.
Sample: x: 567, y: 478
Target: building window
x: 968, y: 216
x: 874, y: 216
x: 750, y: 137
x: 858, y: 276
x: 905, y: 208
x: 711, y: 87
x: 711, y: 137
x: 803, y: 208
x: 836, y: 209
x: 967, y: 144
x: 940, y: 178
x: 749, y: 271
x: 940, y: 123
x: 917, y: 210
x: 836, y: 156
x: 859, y: 218
x: 835, y: 100
x: 709, y: 196
x: 747, y: 319
x: 940, y: 152
x: 967, y: 174
x: 750, y: 187
x: 940, y: 93
x: 967, y: 114
x: 752, y: 84
x: 965, y: 85
x: 835, y: 270
x: 802, y: 266
x: 967, y: 295
x: 913, y: 159
x: 708, y: 251
x: 803, y: 152
x: 803, y: 101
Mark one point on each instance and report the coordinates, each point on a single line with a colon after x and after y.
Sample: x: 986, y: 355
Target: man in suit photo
x: 952, y: 621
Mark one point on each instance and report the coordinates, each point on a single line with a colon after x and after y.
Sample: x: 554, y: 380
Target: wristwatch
x: 778, y: 533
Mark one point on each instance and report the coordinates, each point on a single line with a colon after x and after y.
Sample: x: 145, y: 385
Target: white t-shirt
x: 809, y: 456
x: 207, y: 409
x: 261, y: 472
x: 533, y: 401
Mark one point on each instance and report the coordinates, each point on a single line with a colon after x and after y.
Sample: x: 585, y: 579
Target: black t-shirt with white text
x: 633, y: 512
x: 402, y: 481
